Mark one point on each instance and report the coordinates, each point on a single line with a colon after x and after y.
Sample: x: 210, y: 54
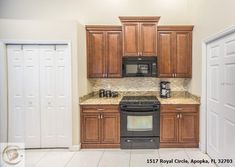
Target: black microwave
x: 139, y: 67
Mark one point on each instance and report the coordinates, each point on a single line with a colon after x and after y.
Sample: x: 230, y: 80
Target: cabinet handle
x: 180, y: 115
x: 177, y: 116
x: 101, y: 116
x: 98, y: 116
x: 172, y: 75
x: 175, y: 75
x: 179, y: 109
x: 100, y: 109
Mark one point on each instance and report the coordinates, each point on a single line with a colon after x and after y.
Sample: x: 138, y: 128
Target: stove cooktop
x: 139, y: 100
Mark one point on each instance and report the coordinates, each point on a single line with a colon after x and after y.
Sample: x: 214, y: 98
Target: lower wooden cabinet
x: 100, y: 126
x: 179, y: 126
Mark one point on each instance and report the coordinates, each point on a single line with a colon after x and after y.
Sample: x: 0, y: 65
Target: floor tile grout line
x: 130, y: 158
x: 188, y: 157
x: 70, y: 159
x: 100, y: 158
x: 47, y: 152
x: 159, y: 157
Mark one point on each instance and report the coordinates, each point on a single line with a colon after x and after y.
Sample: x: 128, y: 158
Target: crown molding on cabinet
x: 175, y: 28
x: 139, y: 18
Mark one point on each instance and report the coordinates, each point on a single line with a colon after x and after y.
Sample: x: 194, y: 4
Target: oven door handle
x: 139, y: 109
x: 138, y: 113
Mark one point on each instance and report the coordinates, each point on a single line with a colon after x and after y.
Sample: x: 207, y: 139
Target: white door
x: 55, y: 113
x: 39, y: 95
x: 16, y: 93
x: 24, y: 111
x: 221, y: 98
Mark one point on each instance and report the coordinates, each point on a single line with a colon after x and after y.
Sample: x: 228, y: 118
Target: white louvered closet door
x: 24, y: 110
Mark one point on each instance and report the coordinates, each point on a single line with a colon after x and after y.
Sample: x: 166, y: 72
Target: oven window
x: 137, y: 68
x: 139, y: 123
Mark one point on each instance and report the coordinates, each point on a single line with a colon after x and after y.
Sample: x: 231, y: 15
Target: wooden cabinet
x: 100, y: 126
x: 179, y: 126
x: 139, y: 36
x: 104, y: 51
x: 175, y: 51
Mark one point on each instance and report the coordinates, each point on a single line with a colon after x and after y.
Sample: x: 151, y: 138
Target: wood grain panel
x: 131, y: 39
x: 114, y: 53
x: 168, y: 127
x: 148, y: 39
x: 110, y: 128
x: 96, y: 54
x: 183, y: 57
x: 165, y: 54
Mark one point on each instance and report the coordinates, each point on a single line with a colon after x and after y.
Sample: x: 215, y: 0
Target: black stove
x: 140, y: 122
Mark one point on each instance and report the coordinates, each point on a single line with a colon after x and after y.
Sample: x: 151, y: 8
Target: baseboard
x: 75, y: 147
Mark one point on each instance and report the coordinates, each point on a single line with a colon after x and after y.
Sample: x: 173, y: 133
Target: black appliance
x: 165, y: 91
x: 139, y: 67
x: 140, y: 122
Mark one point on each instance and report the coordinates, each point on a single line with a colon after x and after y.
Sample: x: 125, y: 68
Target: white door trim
x: 5, y: 42
x: 203, y: 107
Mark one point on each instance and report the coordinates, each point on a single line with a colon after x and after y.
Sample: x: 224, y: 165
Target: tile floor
x: 111, y: 158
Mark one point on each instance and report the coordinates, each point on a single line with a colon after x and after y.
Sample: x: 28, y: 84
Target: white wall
x: 209, y: 17
x: 52, y: 30
x: 95, y: 11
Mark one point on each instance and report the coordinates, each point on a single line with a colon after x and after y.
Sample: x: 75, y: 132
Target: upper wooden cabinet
x: 139, y: 36
x: 175, y: 51
x: 104, y: 51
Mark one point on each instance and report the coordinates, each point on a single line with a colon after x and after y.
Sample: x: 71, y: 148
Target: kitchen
x: 115, y: 64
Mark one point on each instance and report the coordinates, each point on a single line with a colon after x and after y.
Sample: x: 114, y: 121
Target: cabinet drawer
x: 100, y: 108
x: 179, y: 108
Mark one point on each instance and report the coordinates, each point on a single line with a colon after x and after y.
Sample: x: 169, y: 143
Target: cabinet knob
x: 180, y: 115
x: 177, y: 116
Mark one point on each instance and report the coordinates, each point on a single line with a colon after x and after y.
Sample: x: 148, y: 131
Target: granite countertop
x: 95, y: 100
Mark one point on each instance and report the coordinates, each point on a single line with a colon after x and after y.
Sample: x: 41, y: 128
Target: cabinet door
x: 114, y: 53
x: 96, y: 54
x: 188, y: 127
x: 183, y: 54
x: 168, y: 127
x: 90, y: 128
x: 165, y: 54
x: 110, y: 128
x: 148, y: 38
x: 131, y: 39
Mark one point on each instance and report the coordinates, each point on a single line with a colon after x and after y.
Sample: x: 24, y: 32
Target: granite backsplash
x: 138, y: 84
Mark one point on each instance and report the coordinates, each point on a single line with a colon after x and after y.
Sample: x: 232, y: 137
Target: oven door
x: 140, y: 123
